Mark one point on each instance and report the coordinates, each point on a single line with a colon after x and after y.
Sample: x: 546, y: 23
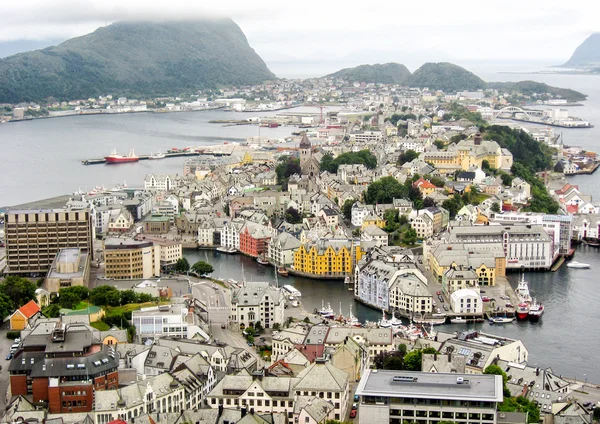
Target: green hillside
x: 135, y: 59
x: 446, y: 77
x: 387, y: 73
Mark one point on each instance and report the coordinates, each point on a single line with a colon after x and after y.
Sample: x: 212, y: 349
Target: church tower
x: 305, y: 149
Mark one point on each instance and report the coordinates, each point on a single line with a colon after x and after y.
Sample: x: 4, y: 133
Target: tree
x: 393, y: 363
x: 226, y: 209
x: 293, y: 216
x: 18, y: 289
x: 439, y: 144
x: 402, y: 349
x: 68, y: 299
x: 428, y: 202
x: 202, y: 268
x: 496, y: 207
x: 409, y: 237
x: 128, y: 296
x: 113, y: 298
x: 407, y: 156
x: 364, y: 157
x: 6, y: 306
x: 385, y: 190
x: 52, y: 311
x: 103, y: 296
x: 347, y: 208
x: 437, y: 181
x: 182, y: 265
x: 412, y: 360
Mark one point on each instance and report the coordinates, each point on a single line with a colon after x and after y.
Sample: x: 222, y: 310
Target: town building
x: 156, y: 224
x: 34, y: 236
x: 161, y: 182
x: 327, y: 257
x: 63, y: 365
x: 25, y: 316
x: 128, y: 259
x: 162, y: 321
x: 71, y: 267
x: 281, y: 249
x: 257, y: 302
x: 429, y: 397
x: 254, y: 239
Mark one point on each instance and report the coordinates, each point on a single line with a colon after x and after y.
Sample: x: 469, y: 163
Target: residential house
x: 25, y: 316
x: 281, y: 249
x: 257, y: 302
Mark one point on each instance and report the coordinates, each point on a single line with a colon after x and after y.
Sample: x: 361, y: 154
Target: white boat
x: 522, y: 291
x: 154, y: 156
x: 347, y: 280
x: 577, y: 265
x: 326, y: 311
x: 458, y: 320
x: 228, y: 250
x: 384, y: 322
x: 501, y: 320
x: 396, y: 322
x: 291, y: 290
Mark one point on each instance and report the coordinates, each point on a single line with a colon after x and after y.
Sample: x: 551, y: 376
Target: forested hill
x: 445, y: 76
x: 387, y: 73
x: 135, y: 59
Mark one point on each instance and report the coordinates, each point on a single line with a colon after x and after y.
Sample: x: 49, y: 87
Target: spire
x: 305, y: 142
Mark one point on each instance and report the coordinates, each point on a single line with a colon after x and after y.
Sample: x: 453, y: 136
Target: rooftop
x: 424, y: 385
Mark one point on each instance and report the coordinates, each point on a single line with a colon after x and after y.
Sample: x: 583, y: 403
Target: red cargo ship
x: 114, y: 157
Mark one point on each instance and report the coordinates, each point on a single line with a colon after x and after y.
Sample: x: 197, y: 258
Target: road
x: 4, y: 375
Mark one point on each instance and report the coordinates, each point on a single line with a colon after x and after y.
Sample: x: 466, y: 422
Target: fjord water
x: 41, y: 158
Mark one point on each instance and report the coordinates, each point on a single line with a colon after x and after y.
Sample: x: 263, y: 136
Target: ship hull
x: 535, y: 317
x: 522, y: 316
x: 110, y: 159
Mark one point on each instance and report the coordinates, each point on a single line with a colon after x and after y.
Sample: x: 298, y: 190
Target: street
x: 4, y: 375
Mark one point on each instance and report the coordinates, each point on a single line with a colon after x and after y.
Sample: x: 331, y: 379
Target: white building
x: 257, y: 302
x: 161, y: 321
x: 466, y: 301
x: 360, y: 212
x: 281, y: 249
x: 161, y: 182
x: 230, y: 235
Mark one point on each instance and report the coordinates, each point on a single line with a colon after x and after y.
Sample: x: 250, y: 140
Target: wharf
x: 557, y: 264
x: 146, y: 157
x: 586, y: 171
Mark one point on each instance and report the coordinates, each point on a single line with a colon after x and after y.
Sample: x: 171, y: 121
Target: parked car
x: 223, y: 326
x: 354, y: 406
x: 9, y: 356
x: 446, y: 308
x: 353, y: 413
x: 485, y: 298
x: 441, y: 298
x: 356, y: 398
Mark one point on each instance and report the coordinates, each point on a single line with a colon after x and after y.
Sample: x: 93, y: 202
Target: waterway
x: 39, y: 159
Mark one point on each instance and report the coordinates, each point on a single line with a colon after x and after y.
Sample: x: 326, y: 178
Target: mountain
x: 446, y: 77
x: 387, y: 73
x: 587, y: 55
x: 135, y: 59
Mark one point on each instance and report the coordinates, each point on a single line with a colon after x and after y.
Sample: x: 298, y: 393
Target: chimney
x: 477, y: 140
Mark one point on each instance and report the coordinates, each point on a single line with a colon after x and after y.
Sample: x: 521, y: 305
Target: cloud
x: 325, y: 30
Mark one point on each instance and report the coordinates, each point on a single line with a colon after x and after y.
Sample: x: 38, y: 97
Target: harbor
x: 146, y: 157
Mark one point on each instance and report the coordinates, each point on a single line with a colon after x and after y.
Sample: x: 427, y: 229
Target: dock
x: 147, y: 157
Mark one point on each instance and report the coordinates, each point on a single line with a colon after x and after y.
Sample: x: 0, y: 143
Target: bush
x: 13, y: 334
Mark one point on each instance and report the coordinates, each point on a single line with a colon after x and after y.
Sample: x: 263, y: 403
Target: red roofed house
x: 23, y: 316
x: 424, y: 186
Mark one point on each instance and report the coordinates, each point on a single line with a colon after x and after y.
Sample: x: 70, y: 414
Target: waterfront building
x: 281, y: 249
x: 170, y: 251
x: 230, y: 235
x: 161, y: 182
x: 525, y: 246
x: 254, y: 239
x: 459, y: 278
x: 71, y: 267
x: 466, y: 301
x: 429, y: 397
x: 34, y: 236
x: 586, y: 226
x: 257, y: 302
x: 106, y: 218
x: 128, y: 259
x: 63, y: 365
x: 327, y: 258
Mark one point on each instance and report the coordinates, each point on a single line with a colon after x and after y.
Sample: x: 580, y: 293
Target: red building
x: 254, y: 239
x: 62, y: 365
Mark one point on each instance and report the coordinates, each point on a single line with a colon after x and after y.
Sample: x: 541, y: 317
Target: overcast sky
x: 346, y: 32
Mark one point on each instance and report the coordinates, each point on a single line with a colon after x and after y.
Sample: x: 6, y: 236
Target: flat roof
x: 475, y: 387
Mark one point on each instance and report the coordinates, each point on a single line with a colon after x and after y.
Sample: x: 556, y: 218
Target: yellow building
x: 128, y: 259
x: 373, y: 220
x: 488, y: 263
x: 327, y: 258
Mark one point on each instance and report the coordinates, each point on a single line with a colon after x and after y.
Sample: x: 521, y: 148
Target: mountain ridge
x: 135, y: 58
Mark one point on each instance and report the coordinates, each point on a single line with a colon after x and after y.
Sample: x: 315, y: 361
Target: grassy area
x: 82, y: 305
x: 480, y: 197
x: 133, y: 307
x: 100, y: 325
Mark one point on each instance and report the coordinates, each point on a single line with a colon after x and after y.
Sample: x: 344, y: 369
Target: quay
x: 146, y: 157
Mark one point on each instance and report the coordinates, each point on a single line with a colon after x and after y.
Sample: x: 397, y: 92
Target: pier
x: 147, y: 157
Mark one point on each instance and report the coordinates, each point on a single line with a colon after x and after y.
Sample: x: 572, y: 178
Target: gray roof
x: 480, y: 387
x: 373, y: 336
x: 322, y: 376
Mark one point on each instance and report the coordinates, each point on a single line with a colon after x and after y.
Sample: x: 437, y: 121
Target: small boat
x: 458, y: 320
x: 326, y: 311
x: 592, y: 242
x: 501, y: 320
x: 262, y: 260
x: 577, y: 265
x: 396, y: 322
x: 384, y: 322
x: 347, y: 280
x: 535, y: 311
x: 292, y: 290
x: 227, y: 250
x: 282, y: 271
x: 522, y: 311
x: 155, y: 156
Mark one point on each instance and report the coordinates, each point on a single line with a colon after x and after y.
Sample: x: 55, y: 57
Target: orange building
x: 21, y: 318
x: 254, y: 239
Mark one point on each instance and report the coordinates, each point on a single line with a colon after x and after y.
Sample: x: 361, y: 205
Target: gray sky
x: 343, y: 32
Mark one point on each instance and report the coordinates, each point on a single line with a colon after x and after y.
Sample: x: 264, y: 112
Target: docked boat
x: 291, y: 290
x: 592, y: 242
x: 522, y: 291
x: 522, y: 311
x: 458, y: 320
x: 384, y: 322
x: 577, y: 265
x: 347, y: 280
x: 283, y: 272
x: 227, y: 250
x: 535, y: 311
x: 114, y: 157
x: 501, y: 320
x: 293, y: 301
x: 396, y: 322
x: 326, y: 311
x: 155, y: 156
x: 262, y: 260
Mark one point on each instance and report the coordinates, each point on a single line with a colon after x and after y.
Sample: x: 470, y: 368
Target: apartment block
x: 128, y: 259
x: 35, y: 236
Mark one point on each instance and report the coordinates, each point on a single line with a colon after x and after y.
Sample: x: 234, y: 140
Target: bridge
x: 511, y: 110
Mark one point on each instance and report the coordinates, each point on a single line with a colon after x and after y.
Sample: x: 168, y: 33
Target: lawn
x: 100, y: 325
x: 132, y: 307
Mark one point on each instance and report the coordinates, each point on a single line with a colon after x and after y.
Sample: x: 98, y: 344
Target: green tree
x: 128, y: 296
x: 226, y: 209
x: 437, y: 181
x: 144, y: 297
x: 402, y: 349
x: 293, y: 216
x: 68, y: 299
x: 347, y: 208
x: 407, y: 156
x: 202, y: 268
x: 409, y: 237
x: 182, y: 265
x: 364, y: 157
x: 385, y: 190
x: 18, y: 289
x: 496, y: 207
x: 412, y: 360
x: 113, y: 298
x: 6, y: 305
x: 104, y: 295
x: 52, y: 311
x: 393, y: 363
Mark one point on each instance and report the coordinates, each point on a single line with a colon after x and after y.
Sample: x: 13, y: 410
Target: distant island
x: 586, y: 56
x: 387, y: 73
x: 143, y: 59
